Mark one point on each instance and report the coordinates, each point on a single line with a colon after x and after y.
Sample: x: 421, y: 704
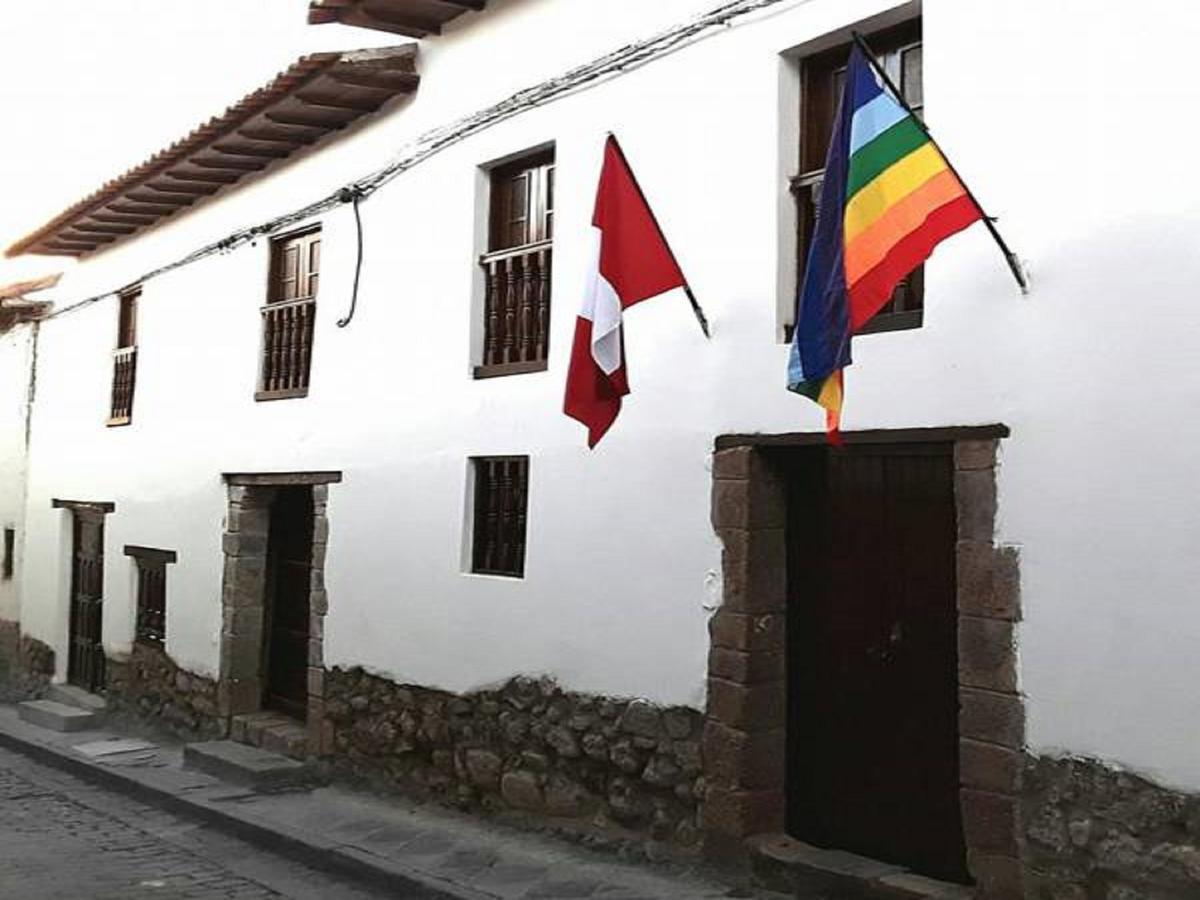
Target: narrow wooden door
x: 85, y: 659
x: 289, y: 567
x: 872, y: 656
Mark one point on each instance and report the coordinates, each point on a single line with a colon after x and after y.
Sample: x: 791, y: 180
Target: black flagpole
x: 687, y: 288
x: 1011, y: 258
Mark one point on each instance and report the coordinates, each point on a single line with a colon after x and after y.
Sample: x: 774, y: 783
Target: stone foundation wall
x: 26, y: 664
x: 148, y: 685
x: 618, y: 766
x: 1095, y: 833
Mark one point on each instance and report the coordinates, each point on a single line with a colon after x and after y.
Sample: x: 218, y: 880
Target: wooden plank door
x: 872, y: 655
x: 289, y: 568
x: 85, y: 657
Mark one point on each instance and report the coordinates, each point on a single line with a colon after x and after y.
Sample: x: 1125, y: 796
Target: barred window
x: 501, y: 506
x: 151, y: 563
x: 10, y: 540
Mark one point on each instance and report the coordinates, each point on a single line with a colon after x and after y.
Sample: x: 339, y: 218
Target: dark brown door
x: 85, y: 660
x: 872, y: 655
x: 289, y: 565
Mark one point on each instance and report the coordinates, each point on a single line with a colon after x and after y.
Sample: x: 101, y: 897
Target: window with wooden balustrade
x: 151, y: 566
x: 124, y: 359
x: 517, y: 267
x: 823, y: 75
x: 499, y: 515
x: 289, y: 316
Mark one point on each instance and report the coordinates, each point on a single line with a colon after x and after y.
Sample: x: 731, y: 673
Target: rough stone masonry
x: 623, y: 765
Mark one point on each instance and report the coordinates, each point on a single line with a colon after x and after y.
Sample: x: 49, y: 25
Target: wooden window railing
x: 123, y: 383
x: 287, y: 348
x: 501, y: 504
x: 516, y: 310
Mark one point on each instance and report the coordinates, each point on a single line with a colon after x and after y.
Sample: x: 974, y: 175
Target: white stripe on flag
x: 603, y: 307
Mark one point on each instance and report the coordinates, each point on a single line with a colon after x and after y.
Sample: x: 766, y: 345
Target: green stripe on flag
x: 880, y: 153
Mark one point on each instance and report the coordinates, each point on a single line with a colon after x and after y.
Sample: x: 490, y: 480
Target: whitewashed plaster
x: 1067, y: 124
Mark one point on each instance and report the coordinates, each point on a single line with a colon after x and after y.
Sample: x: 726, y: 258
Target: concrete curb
x: 305, y: 847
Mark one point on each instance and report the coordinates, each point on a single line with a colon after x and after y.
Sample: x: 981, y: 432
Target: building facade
x: 327, y: 502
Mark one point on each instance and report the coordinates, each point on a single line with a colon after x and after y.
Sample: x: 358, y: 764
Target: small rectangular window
x: 501, y: 505
x: 10, y: 541
x: 289, y: 316
x: 125, y: 359
x: 517, y: 267
x: 823, y: 76
x: 151, y: 563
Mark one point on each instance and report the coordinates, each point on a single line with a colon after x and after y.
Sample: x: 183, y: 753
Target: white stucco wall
x: 1048, y: 109
x: 15, y: 354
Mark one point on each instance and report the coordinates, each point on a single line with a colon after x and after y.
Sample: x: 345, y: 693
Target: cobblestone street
x: 61, y: 837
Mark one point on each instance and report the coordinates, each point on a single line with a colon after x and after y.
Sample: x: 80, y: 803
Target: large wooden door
x: 85, y: 657
x: 872, y: 655
x: 289, y: 572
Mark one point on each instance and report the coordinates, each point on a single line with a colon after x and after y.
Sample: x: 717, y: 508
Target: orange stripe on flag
x: 870, y: 247
x: 875, y: 288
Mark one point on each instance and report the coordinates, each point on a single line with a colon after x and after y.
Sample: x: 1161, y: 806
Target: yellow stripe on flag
x: 903, y: 217
x: 892, y: 185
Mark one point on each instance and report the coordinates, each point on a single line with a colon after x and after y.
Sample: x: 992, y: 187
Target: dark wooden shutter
x: 823, y: 77
x: 289, y: 316
x: 517, y: 268
x: 501, y: 507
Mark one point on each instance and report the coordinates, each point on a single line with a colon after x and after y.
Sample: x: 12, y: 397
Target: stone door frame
x: 243, y: 591
x: 746, y: 716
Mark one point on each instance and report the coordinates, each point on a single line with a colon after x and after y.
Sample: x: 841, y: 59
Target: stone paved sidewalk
x: 389, y: 842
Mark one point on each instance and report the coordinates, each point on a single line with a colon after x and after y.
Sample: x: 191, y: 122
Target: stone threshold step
x: 70, y: 695
x: 58, y: 716
x: 783, y: 863
x: 246, y: 765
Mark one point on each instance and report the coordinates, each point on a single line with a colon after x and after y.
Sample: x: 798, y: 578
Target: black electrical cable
x: 353, y: 194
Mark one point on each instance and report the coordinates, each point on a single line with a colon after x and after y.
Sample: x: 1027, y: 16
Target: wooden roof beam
x: 318, y: 97
x: 212, y: 176
x: 255, y: 152
x: 73, y: 235
x: 157, y: 198
x: 284, y: 134
x: 156, y: 210
x: 227, y: 163
x: 295, y: 117
x: 103, y: 228
x: 356, y: 16
x: 125, y: 219
x: 384, y: 79
x: 178, y: 186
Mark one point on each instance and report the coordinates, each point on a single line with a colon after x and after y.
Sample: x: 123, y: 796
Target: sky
x: 91, y: 88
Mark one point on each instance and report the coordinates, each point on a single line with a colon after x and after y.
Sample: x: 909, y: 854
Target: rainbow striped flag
x: 889, y: 197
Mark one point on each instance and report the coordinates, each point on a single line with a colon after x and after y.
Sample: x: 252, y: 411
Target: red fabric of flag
x: 631, y: 262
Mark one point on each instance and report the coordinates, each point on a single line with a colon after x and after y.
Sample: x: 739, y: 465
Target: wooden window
x: 289, y: 316
x: 151, y: 627
x: 823, y: 76
x: 10, y: 540
x: 501, y: 503
x: 125, y: 359
x: 517, y: 267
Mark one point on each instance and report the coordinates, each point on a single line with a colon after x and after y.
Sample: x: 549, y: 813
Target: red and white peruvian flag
x: 631, y: 263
